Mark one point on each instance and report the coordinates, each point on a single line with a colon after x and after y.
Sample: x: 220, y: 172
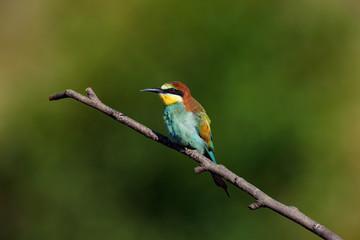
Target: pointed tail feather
x: 219, y: 181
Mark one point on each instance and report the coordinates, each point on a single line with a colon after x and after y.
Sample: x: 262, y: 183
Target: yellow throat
x: 169, y: 99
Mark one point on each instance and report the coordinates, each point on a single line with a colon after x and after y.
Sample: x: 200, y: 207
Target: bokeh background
x: 279, y: 79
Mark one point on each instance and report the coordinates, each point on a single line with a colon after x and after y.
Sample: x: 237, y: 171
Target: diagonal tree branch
x: 262, y: 199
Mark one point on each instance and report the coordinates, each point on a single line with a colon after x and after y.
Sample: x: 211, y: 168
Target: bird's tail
x: 219, y: 181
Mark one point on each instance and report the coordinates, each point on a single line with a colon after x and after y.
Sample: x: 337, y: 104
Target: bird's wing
x: 202, y: 126
x: 204, y: 131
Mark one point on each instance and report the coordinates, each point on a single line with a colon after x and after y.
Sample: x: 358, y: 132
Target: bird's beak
x: 155, y: 90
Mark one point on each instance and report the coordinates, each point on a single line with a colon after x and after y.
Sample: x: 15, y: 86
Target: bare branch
x: 262, y: 199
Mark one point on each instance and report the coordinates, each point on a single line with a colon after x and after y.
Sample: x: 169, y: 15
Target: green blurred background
x: 279, y: 79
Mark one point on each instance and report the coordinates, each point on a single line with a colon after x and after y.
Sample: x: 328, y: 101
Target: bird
x: 186, y: 122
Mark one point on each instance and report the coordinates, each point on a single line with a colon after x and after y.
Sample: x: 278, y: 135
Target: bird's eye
x: 171, y: 90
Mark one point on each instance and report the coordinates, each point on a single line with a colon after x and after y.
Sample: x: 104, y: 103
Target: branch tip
x: 57, y: 96
x: 199, y: 169
x: 256, y: 205
x: 91, y: 94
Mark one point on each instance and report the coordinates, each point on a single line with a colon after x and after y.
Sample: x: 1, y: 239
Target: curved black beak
x: 154, y: 90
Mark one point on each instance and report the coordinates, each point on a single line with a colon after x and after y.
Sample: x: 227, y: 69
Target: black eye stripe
x: 174, y: 91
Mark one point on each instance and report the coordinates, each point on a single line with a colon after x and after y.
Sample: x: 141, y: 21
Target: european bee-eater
x: 186, y: 122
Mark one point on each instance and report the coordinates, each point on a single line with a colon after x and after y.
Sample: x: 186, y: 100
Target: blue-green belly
x: 181, y: 127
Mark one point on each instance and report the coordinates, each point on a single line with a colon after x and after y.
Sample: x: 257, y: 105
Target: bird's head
x: 171, y: 92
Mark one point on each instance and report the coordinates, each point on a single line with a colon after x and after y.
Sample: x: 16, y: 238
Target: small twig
x: 92, y: 94
x: 257, y: 204
x: 262, y: 199
x: 199, y: 169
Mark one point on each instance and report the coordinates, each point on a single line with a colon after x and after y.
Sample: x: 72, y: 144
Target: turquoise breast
x: 181, y: 127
